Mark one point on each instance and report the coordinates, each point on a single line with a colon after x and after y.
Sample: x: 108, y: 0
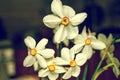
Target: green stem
x: 99, y: 65
x: 102, y: 70
x: 85, y: 72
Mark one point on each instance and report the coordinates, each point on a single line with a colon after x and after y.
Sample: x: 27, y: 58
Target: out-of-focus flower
x: 65, y: 19
x: 89, y: 41
x: 37, y: 53
x: 52, y: 70
x: 68, y: 58
x: 110, y: 58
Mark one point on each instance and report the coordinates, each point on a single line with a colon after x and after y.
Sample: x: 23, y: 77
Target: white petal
x: 59, y: 69
x: 43, y: 72
x: 51, y: 21
x: 29, y: 61
x: 41, y: 61
x: 84, y: 33
x: 36, y: 66
x: 88, y: 51
x: 53, y: 76
x: 79, y: 39
x: 56, y: 7
x: 65, y: 54
x: 68, y: 74
x: 41, y: 44
x: 78, y: 18
x: 96, y: 44
x: 81, y: 58
x: 30, y: 42
x: 72, y: 32
x: 77, y: 48
x: 66, y: 42
x: 47, y: 53
x: 60, y: 35
x: 60, y: 61
x: 76, y: 71
x: 68, y: 11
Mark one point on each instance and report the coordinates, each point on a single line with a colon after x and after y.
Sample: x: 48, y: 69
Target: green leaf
x: 117, y: 41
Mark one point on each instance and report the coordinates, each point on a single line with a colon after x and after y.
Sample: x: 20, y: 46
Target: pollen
x: 33, y: 52
x: 72, y: 63
x: 88, y: 41
x: 51, y: 68
x: 65, y: 21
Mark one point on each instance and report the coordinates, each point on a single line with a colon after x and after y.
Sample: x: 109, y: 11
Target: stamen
x: 65, y: 21
x: 88, y: 41
x: 72, y: 63
x: 33, y: 52
x: 51, y: 68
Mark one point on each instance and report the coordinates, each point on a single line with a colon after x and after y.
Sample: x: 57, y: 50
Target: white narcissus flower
x: 52, y: 70
x: 68, y: 58
x: 37, y: 53
x: 65, y: 19
x: 89, y: 41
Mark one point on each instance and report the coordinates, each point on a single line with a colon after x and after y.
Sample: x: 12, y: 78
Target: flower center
x: 33, y: 52
x: 51, y: 68
x: 72, y: 63
x: 65, y: 21
x: 88, y: 41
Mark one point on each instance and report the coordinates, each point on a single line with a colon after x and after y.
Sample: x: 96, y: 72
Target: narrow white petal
x: 96, y: 44
x: 53, y: 76
x: 59, y: 69
x: 76, y: 71
x: 56, y: 7
x: 41, y: 61
x: 60, y: 35
x: 72, y: 32
x: 68, y: 74
x: 47, y: 53
x: 43, y: 72
x: 41, y: 44
x: 51, y: 21
x: 29, y: 61
x: 78, y: 18
x: 81, y: 58
x: 84, y: 33
x: 68, y: 11
x: 65, y: 54
x: 30, y: 42
x: 88, y: 51
x: 60, y: 61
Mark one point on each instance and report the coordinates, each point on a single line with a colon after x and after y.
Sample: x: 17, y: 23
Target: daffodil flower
x: 68, y: 58
x: 52, y: 70
x: 65, y: 18
x: 37, y: 53
x: 89, y: 42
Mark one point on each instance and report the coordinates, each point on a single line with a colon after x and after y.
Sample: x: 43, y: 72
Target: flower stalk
x: 85, y: 71
x: 100, y: 63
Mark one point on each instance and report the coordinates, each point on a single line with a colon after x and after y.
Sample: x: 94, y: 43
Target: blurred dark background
x: 20, y: 18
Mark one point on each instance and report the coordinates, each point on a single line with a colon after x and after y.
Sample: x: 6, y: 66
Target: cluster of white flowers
x: 65, y: 22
